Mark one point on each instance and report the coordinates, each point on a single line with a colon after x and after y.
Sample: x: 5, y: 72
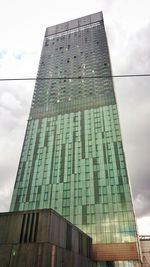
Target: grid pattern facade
x: 72, y: 158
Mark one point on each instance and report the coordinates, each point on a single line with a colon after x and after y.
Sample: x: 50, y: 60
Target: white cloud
x: 144, y: 225
x: 9, y: 101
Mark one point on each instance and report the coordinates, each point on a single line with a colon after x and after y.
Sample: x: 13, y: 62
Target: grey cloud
x: 142, y: 203
x: 13, y: 122
x: 133, y: 95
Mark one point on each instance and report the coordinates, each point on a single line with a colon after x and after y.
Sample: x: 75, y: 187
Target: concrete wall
x: 145, y: 248
x: 42, y: 238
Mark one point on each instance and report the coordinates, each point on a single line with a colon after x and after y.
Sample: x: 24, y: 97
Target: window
x: 29, y: 231
x: 69, y: 237
x: 80, y: 244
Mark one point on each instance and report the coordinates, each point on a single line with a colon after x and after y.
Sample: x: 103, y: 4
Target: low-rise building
x: 145, y: 248
x: 42, y: 238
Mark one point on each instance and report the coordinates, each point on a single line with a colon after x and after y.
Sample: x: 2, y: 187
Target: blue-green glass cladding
x: 81, y: 176
x: 72, y: 158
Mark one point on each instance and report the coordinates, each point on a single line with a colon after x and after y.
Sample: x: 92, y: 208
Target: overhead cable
x: 76, y: 78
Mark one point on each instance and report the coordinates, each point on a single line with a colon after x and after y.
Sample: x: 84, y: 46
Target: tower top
x: 74, y: 23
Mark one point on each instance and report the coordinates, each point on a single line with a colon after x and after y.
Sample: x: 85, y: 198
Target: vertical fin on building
x: 73, y: 152
x: 96, y: 193
x: 104, y: 153
x: 84, y: 214
x: 22, y: 170
x: 118, y: 162
x: 36, y: 146
x: 52, y: 160
x: 82, y: 134
x: 62, y: 166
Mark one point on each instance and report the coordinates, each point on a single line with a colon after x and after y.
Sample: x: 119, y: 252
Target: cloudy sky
x: 22, y: 28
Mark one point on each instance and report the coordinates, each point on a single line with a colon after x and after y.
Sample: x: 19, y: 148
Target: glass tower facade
x: 72, y: 158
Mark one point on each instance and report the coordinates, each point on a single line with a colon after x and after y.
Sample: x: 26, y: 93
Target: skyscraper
x: 72, y: 158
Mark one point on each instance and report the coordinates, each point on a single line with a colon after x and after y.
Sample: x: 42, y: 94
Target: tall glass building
x: 72, y: 158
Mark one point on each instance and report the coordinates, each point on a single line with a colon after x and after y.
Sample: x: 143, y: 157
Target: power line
x: 76, y: 78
